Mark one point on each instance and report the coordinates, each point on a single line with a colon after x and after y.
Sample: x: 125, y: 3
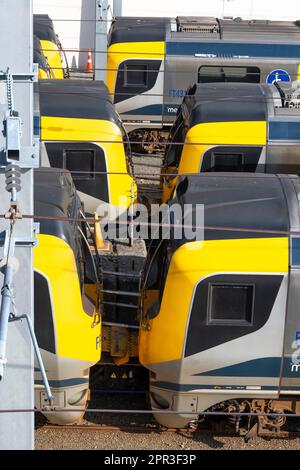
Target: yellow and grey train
x: 83, y: 133
x: 221, y: 329
x: 39, y: 58
x: 240, y: 127
x: 51, y: 47
x: 67, y: 325
x: 153, y: 61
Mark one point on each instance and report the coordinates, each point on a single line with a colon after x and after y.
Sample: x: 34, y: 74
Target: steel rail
x: 109, y: 428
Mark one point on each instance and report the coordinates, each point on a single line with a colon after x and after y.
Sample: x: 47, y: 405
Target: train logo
x: 278, y: 76
x: 295, y: 365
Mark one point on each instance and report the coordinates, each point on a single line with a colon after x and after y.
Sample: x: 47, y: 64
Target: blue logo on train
x: 278, y: 75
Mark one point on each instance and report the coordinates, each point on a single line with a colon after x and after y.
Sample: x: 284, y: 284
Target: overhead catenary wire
x: 167, y: 225
x: 166, y: 55
x: 76, y: 20
x: 166, y: 72
x: 158, y: 142
x: 232, y: 98
x: 146, y: 412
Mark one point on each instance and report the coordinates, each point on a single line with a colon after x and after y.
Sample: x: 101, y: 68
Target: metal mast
x: 19, y: 154
x: 117, y: 10
x: 102, y: 8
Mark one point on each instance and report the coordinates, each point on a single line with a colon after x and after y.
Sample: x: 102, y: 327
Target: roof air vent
x: 194, y: 24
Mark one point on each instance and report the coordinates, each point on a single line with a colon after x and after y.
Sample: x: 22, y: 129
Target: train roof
x: 76, y: 99
x: 43, y: 28
x: 135, y: 29
x: 55, y: 196
x: 247, y: 201
x: 221, y: 102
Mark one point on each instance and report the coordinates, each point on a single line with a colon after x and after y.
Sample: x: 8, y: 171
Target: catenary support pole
x: 21, y: 149
x: 102, y: 26
x: 117, y: 8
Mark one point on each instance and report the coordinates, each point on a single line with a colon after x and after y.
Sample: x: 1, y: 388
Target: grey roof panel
x: 76, y: 99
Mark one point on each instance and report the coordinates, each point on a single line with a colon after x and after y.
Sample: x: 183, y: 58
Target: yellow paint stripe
x: 76, y: 339
x: 207, y: 135
x: 103, y: 133
x: 229, y: 133
x: 77, y: 129
x: 119, y: 52
x: 53, y: 58
x: 193, y: 262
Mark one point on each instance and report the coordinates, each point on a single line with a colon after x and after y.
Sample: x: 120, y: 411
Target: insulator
x: 13, y: 178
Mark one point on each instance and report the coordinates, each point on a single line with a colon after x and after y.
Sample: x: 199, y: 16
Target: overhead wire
x: 146, y: 412
x: 239, y: 99
x: 165, y: 225
x: 67, y: 219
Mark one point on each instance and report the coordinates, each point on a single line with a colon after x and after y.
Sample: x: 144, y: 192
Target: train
x: 82, y: 133
x: 67, y: 324
x: 44, y: 70
x: 51, y: 48
x: 220, y: 326
x: 216, y: 317
x: 153, y: 61
x: 240, y: 127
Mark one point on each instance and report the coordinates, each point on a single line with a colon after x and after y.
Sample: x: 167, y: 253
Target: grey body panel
x: 181, y: 70
x: 220, y: 373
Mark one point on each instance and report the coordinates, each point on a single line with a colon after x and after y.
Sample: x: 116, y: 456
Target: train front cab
x: 89, y: 141
x: 222, y: 322
x: 219, y: 128
x: 135, y: 76
x: 50, y: 45
x: 44, y: 71
x: 67, y: 325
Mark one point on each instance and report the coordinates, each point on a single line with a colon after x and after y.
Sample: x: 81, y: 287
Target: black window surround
x: 43, y: 316
x: 202, y: 335
x: 96, y: 185
x: 143, y: 71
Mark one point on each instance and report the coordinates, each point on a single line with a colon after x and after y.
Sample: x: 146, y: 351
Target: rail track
x: 106, y: 428
x: 149, y: 429
x: 127, y: 410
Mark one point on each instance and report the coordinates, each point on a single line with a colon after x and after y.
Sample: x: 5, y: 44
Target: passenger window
x: 230, y: 304
x: 217, y: 73
x: 136, y: 75
x: 77, y: 161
